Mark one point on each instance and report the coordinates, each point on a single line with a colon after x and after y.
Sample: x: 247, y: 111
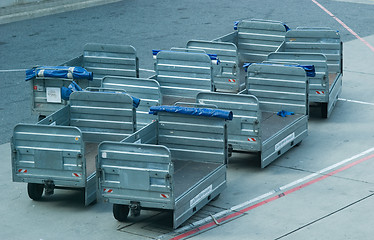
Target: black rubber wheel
x: 230, y: 150
x: 216, y: 197
x: 35, y: 191
x: 120, y: 212
x: 41, y: 117
x: 324, y: 110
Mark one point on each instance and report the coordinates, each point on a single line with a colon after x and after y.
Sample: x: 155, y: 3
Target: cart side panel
x: 146, y: 135
x: 226, y: 75
x: 59, y: 118
x: 183, y: 74
x: 318, y: 85
x: 284, y: 140
x: 243, y: 130
x: 334, y: 93
x: 279, y: 87
x: 191, y: 138
x: 204, y: 192
x: 110, y: 60
x: 147, y: 90
x: 136, y: 172
x: 44, y: 152
x: 258, y: 38
x: 230, y: 37
x: 102, y: 116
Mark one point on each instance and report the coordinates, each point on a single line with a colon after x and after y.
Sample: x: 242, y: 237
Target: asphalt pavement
x: 322, y: 189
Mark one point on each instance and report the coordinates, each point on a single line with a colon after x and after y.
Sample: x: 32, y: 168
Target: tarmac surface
x: 322, y: 189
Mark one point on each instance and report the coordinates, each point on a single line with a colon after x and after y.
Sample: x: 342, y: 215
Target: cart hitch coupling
x: 135, y: 209
x: 49, y: 187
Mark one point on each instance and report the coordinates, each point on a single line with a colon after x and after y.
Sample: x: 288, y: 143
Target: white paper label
x: 203, y: 194
x: 103, y: 155
x: 53, y: 95
x: 285, y: 141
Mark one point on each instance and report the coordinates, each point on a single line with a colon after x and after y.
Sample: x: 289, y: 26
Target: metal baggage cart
x: 256, y: 126
x: 46, y: 90
x: 59, y: 151
x: 147, y: 90
x: 177, y: 163
x: 325, y: 87
x: 107, y: 60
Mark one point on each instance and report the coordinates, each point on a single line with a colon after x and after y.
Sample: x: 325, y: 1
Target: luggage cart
x: 177, y: 163
x: 59, y: 151
x: 256, y: 126
x: 46, y: 83
x: 107, y: 60
x: 302, y: 45
x: 147, y: 90
x: 256, y: 38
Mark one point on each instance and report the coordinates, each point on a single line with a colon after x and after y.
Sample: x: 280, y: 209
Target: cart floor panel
x: 272, y: 123
x: 188, y: 173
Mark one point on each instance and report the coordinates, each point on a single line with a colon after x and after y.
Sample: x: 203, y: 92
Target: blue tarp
x: 58, y: 72
x: 207, y: 112
x: 66, y: 91
x: 309, y: 69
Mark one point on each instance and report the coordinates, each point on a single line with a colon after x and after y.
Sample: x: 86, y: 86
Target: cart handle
x: 196, y: 104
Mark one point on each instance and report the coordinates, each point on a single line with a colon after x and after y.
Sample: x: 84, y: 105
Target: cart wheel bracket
x: 49, y: 187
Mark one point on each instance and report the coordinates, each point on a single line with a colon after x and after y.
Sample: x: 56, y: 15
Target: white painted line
x: 354, y: 101
x: 266, y: 195
x: 12, y: 70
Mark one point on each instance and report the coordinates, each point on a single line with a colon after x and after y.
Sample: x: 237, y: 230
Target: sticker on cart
x: 53, y: 95
x: 320, y: 92
x: 22, y: 170
x: 76, y: 174
x: 232, y: 80
x: 164, y: 195
x: 285, y: 141
x: 104, y: 155
x: 39, y: 88
x: 203, y: 194
x: 251, y: 139
x: 108, y: 190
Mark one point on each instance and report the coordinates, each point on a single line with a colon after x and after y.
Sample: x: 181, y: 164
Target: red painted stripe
x: 344, y: 25
x: 241, y: 212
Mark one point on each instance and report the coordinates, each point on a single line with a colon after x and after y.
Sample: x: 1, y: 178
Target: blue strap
x: 284, y: 113
x: 236, y: 25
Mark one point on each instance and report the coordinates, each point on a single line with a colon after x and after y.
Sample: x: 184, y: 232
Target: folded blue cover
x: 309, y: 69
x: 207, y: 112
x: 58, y: 72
